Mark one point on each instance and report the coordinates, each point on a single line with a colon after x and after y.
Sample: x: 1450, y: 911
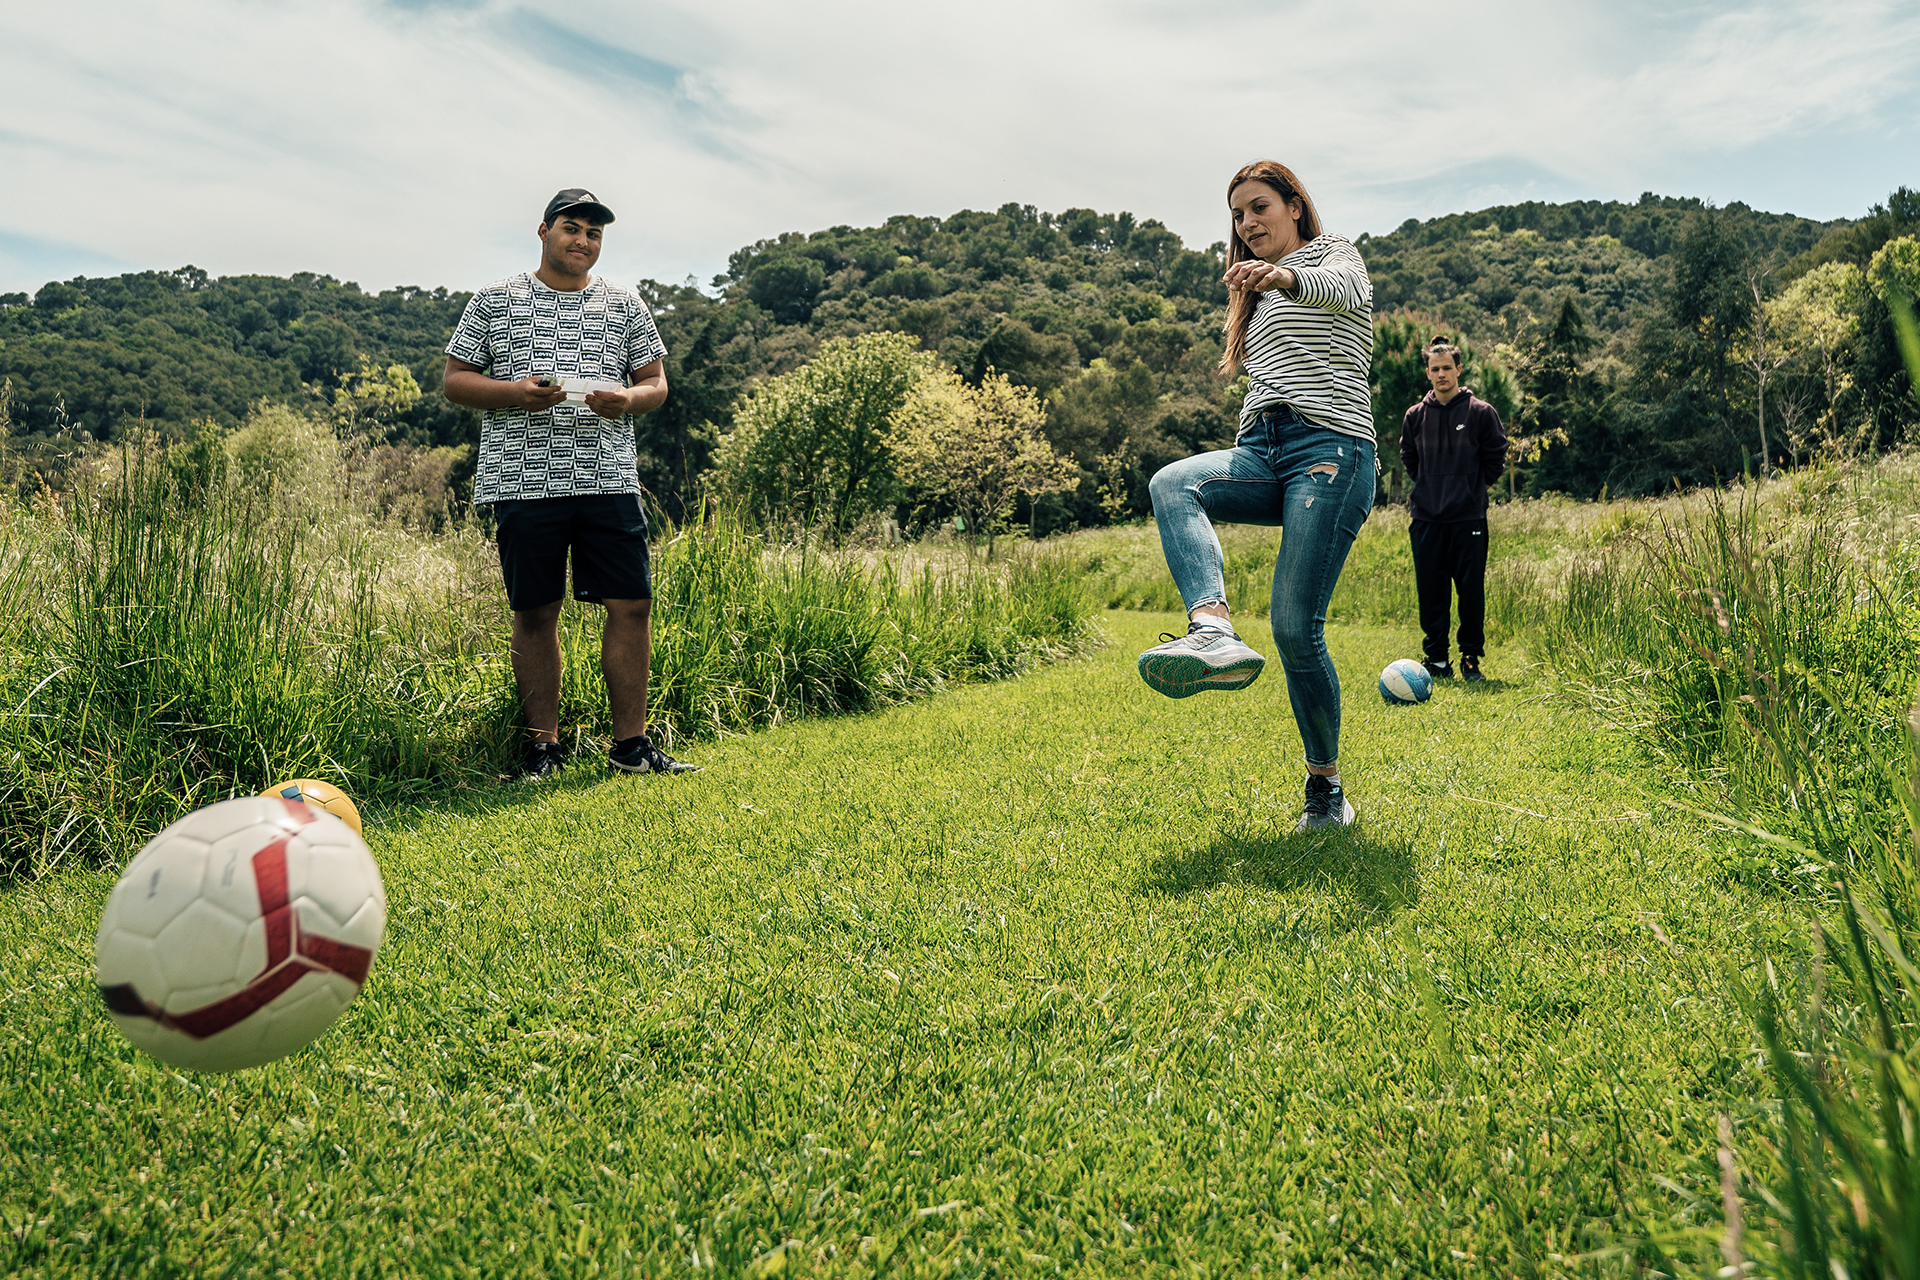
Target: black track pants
x: 1446, y: 557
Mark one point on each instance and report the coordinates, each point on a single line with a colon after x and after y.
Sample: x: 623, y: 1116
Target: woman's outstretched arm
x: 1338, y: 283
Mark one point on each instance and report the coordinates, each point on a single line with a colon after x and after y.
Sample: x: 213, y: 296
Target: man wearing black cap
x: 560, y: 361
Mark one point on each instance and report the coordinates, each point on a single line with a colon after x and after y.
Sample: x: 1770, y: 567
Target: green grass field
x: 1025, y: 979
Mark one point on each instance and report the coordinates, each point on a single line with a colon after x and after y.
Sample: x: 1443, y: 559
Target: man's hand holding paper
x: 608, y: 399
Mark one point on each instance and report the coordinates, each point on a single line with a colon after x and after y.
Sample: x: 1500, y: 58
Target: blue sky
x: 416, y: 141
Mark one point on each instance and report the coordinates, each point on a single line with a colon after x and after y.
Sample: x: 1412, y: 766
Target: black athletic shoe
x: 639, y: 755
x: 1204, y: 658
x: 1438, y: 670
x: 1470, y: 669
x: 1327, y: 805
x: 544, y: 760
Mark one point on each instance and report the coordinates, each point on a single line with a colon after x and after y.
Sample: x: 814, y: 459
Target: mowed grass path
x: 1026, y: 979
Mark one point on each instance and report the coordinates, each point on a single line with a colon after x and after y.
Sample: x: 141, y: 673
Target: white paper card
x: 577, y: 388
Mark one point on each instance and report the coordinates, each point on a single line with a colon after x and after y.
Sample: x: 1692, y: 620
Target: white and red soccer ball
x: 240, y: 933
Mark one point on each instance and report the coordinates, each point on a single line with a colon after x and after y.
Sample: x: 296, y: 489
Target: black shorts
x: 607, y: 533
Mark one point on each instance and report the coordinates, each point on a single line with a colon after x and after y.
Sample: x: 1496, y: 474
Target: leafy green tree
x: 170, y: 348
x: 1895, y: 268
x: 1107, y: 411
x: 1561, y: 406
x: 979, y: 448
x: 1398, y: 382
x: 1763, y: 354
x: 787, y: 286
x: 1093, y: 308
x: 289, y: 458
x: 1683, y: 424
x: 913, y: 282
x: 1818, y: 317
x: 1159, y: 345
x: 1887, y: 363
x: 711, y: 348
x: 1155, y: 400
x: 813, y: 447
x: 1037, y: 360
x: 1710, y: 305
x: 1856, y: 242
x: 1499, y: 273
x: 323, y: 348
x: 367, y: 402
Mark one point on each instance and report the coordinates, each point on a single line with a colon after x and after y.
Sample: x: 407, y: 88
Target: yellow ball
x: 321, y: 795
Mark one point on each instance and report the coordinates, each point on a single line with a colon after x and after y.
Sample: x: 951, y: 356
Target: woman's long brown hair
x: 1240, y: 304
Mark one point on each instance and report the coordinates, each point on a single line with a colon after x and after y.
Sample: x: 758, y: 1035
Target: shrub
x: 978, y: 448
x: 813, y: 447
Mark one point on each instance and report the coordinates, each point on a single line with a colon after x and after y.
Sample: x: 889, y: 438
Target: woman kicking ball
x: 1300, y: 321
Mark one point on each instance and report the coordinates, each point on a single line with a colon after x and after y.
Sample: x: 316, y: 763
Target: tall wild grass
x: 1761, y: 642
x: 173, y: 633
x: 1535, y: 545
x: 1838, y: 1183
x: 1831, y: 1187
x: 748, y: 634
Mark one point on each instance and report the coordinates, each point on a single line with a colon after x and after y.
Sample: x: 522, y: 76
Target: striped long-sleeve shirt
x: 1313, y: 349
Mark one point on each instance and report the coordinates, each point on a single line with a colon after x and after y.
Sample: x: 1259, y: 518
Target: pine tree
x: 1562, y: 404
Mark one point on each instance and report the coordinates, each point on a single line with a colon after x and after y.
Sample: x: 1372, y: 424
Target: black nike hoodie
x: 1452, y: 452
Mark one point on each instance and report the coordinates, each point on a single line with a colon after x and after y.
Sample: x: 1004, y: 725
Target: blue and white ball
x: 1405, y: 681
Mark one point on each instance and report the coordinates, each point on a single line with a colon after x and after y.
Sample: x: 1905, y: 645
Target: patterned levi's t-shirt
x: 519, y: 328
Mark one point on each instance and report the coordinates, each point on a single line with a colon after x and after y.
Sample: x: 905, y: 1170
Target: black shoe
x: 1440, y: 670
x: 1470, y: 669
x: 1327, y: 805
x: 544, y: 760
x: 639, y: 755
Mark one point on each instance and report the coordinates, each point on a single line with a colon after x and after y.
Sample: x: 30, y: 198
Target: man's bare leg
x: 536, y: 669
x: 626, y: 651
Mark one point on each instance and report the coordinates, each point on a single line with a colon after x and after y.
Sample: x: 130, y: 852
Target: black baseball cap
x: 576, y: 198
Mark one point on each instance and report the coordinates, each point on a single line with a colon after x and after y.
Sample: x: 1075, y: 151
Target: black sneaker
x: 1441, y: 670
x: 1204, y: 658
x: 1470, y: 669
x: 544, y: 760
x: 639, y: 755
x: 1327, y: 805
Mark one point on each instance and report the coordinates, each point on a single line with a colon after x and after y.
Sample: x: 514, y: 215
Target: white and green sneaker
x: 1204, y: 658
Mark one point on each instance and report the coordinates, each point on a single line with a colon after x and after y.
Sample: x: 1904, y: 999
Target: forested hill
x: 174, y: 347
x: 1112, y: 316
x: 1498, y: 270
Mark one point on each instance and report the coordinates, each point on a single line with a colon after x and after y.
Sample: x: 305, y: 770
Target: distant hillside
x: 1119, y: 321
x: 1494, y: 272
x: 172, y: 347
x: 1111, y: 315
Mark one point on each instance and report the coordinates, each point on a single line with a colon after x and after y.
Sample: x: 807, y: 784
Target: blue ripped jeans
x: 1318, y: 486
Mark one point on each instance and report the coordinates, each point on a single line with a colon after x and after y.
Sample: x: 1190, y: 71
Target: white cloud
x: 416, y: 143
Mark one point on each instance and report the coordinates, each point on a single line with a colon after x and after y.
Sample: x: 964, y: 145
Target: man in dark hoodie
x: 1453, y: 447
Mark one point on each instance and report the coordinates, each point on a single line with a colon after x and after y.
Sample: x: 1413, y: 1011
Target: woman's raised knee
x: 1165, y: 486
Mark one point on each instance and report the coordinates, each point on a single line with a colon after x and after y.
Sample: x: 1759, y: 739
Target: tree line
x: 1630, y: 347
